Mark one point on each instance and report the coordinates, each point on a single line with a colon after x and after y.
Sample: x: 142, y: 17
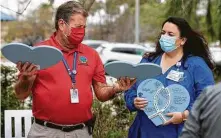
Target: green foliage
x: 209, y: 24
x: 113, y: 119
x: 40, y: 19
x: 151, y: 19
x: 217, y: 74
x: 8, y: 99
x: 152, y: 14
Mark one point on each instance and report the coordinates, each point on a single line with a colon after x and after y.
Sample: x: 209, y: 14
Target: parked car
x: 150, y: 46
x: 215, y: 44
x: 216, y: 55
x: 94, y: 43
x: 132, y: 53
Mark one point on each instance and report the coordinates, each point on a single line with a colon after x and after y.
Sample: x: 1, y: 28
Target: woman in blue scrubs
x: 182, y: 50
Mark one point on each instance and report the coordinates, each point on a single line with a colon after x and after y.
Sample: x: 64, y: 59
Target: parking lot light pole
x: 137, y: 25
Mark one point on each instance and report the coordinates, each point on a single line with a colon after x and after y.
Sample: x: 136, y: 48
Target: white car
x: 216, y: 55
x: 94, y: 43
x: 150, y: 46
x: 132, y: 53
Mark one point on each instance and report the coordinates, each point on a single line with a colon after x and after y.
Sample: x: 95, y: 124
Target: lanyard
x: 72, y: 73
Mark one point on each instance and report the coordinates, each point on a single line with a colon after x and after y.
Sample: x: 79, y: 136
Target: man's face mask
x: 167, y: 43
x: 76, y: 36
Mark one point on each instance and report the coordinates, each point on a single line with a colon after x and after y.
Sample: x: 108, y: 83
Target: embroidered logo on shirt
x: 83, y: 60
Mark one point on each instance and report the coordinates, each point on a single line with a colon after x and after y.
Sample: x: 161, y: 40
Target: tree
x: 151, y: 18
x: 119, y: 27
x: 51, y: 2
x: 209, y: 24
x: 87, y: 4
x: 22, y: 30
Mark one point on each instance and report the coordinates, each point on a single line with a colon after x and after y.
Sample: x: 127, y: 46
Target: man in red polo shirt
x: 62, y: 94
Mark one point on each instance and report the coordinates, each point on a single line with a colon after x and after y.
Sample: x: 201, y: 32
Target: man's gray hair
x: 66, y: 10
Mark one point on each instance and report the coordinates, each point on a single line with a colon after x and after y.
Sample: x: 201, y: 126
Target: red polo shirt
x: 51, y: 90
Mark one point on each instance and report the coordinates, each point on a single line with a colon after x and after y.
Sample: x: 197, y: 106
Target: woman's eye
x: 171, y: 34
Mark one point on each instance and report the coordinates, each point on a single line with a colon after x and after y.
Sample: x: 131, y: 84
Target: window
x: 94, y: 45
x: 140, y: 51
x: 124, y: 50
x: 100, y: 49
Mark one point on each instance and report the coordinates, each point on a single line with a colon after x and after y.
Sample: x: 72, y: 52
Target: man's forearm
x: 23, y: 88
x: 105, y: 92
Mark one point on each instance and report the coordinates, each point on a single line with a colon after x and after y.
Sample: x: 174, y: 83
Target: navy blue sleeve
x: 129, y: 97
x: 131, y: 94
x: 202, y: 75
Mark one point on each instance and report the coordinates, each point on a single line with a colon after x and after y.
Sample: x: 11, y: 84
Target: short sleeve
x: 99, y: 73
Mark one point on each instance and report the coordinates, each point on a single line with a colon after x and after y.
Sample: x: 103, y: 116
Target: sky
x: 13, y: 5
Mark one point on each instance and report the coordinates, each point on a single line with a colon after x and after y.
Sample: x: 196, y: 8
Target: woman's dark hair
x: 195, y: 44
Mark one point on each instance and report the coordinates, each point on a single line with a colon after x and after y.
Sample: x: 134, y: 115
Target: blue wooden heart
x: 161, y: 100
x: 139, y: 71
x: 42, y: 56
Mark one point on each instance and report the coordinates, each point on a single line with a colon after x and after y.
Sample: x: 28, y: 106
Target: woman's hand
x: 177, y: 118
x: 140, y: 103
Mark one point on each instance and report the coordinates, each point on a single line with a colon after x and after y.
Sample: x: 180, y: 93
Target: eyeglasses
x: 75, y: 25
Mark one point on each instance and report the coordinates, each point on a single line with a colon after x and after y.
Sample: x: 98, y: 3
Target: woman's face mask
x: 168, y: 43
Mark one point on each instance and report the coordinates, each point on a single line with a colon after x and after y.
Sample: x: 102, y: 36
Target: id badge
x: 74, y: 96
x: 175, y: 75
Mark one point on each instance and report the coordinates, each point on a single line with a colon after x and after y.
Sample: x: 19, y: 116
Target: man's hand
x: 105, y: 92
x: 26, y: 79
x: 27, y: 71
x: 177, y: 118
x: 123, y: 84
x: 140, y: 103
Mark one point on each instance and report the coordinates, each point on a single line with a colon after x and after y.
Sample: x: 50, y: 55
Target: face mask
x: 76, y: 36
x: 167, y: 43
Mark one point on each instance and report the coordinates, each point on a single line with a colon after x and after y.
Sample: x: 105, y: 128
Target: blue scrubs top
x: 197, y: 76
